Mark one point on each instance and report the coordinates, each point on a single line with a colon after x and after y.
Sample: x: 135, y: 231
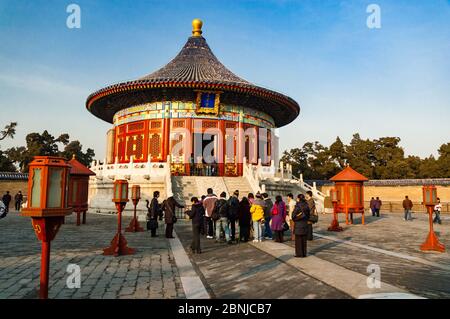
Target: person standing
x: 154, y: 211
x: 378, y: 204
x: 257, y: 211
x: 291, y: 206
x: 251, y: 198
x: 300, y: 217
x: 233, y: 203
x: 196, y: 214
x: 278, y: 213
x: 267, y: 216
x: 372, y: 206
x: 208, y: 203
x: 245, y: 218
x: 313, y: 216
x: 407, y: 206
x: 169, y: 207
x: 437, y: 212
x: 222, y: 209
x: 18, y: 199
x: 6, y: 199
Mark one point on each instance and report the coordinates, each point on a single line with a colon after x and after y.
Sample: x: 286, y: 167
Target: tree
x: 8, y: 131
x: 381, y: 158
x: 75, y: 148
x: 46, y: 144
x: 443, y: 161
x: 6, y: 165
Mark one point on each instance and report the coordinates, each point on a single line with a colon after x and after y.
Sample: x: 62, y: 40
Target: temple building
x: 192, y: 117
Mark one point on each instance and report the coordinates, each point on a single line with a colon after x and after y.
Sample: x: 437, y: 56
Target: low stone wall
x: 13, y: 182
x: 392, y: 193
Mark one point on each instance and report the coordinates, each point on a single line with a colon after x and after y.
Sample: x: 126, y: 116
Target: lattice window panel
x: 230, y: 125
x: 122, y: 129
x: 177, y: 124
x: 135, y: 147
x: 139, y: 147
x: 155, y: 124
x: 155, y: 146
x: 209, y: 124
x: 139, y: 126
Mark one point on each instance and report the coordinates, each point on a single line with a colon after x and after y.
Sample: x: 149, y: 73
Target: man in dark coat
x: 6, y: 199
x: 267, y: 216
x: 245, y: 219
x: 196, y: 214
x: 300, y: 216
x: 154, y: 211
x: 233, y: 203
x: 169, y: 207
x: 18, y: 199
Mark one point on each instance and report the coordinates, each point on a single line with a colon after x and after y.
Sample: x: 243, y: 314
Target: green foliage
x: 46, y: 144
x: 6, y: 165
x: 8, y: 131
x: 381, y: 158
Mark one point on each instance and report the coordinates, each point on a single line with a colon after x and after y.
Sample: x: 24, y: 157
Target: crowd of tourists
x: 237, y: 219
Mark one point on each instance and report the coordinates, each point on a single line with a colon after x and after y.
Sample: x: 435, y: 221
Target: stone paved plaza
x: 245, y: 270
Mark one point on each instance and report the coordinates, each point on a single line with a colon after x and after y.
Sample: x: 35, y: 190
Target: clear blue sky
x: 347, y: 78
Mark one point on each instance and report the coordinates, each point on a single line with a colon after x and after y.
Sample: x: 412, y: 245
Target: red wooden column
x: 188, y: 144
x: 220, y: 146
x: 240, y: 147
x: 166, y: 139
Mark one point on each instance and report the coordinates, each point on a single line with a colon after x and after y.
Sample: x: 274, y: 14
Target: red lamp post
x: 350, y: 185
x: 135, y: 197
x: 334, y: 194
x: 78, y: 188
x: 429, y: 200
x: 47, y: 205
x: 119, y: 243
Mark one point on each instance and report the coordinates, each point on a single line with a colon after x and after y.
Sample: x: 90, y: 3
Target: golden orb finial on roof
x: 197, y: 28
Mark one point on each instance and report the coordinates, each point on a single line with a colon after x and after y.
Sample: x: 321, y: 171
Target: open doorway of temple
x: 204, y: 161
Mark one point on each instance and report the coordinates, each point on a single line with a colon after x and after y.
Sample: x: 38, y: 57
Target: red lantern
x: 430, y: 200
x: 47, y: 205
x: 334, y: 194
x: 119, y: 243
x: 135, y: 197
x: 79, y: 188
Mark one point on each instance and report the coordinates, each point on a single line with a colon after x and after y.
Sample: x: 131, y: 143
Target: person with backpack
x: 278, y: 213
x: 267, y: 216
x: 154, y: 211
x: 300, y: 216
x: 245, y: 219
x: 196, y: 213
x: 233, y: 203
x: 313, y: 216
x: 257, y: 211
x: 208, y: 204
x: 220, y: 215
